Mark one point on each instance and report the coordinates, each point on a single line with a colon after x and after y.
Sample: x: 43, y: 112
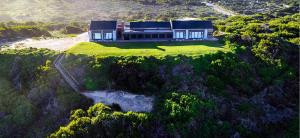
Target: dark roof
x: 191, y: 24
x: 103, y: 25
x: 150, y: 25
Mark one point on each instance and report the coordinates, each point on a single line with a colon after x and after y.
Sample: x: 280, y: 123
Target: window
x: 154, y: 35
x: 148, y: 36
x: 108, y: 36
x: 97, y: 36
x: 133, y: 36
x: 161, y: 36
x: 179, y: 35
x: 140, y: 36
x: 196, y: 35
x: 169, y: 36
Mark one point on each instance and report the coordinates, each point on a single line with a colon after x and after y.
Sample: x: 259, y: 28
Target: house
x: 103, y: 31
x: 192, y: 30
x: 150, y: 30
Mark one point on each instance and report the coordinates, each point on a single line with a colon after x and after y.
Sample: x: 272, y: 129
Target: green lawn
x: 147, y: 48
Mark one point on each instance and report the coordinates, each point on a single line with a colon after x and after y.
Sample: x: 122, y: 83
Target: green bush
x: 100, y: 121
x: 177, y: 110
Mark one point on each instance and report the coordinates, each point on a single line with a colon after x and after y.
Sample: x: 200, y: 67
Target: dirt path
x: 127, y: 101
x: 61, y: 44
x: 220, y: 9
x: 66, y: 75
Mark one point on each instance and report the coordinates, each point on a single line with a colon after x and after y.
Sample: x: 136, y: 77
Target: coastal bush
x: 33, y: 100
x: 100, y: 121
x: 178, y: 110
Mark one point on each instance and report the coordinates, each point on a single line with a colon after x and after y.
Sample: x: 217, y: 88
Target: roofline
x: 151, y: 28
x: 103, y: 21
x: 192, y: 21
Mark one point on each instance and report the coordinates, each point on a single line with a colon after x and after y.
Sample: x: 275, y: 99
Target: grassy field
x: 147, y: 49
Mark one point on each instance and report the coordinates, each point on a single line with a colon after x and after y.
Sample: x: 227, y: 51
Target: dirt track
x: 220, y: 9
x: 53, y: 44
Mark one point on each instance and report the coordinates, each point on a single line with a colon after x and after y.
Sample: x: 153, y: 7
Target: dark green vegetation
x: 250, y: 92
x: 34, y: 101
x: 12, y: 31
x: 101, y: 121
x: 175, y: 114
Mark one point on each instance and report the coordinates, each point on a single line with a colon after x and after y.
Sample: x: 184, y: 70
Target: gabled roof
x: 103, y: 25
x: 192, y: 24
x: 149, y: 25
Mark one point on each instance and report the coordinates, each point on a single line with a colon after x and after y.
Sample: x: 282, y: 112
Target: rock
x: 15, y: 74
x: 52, y: 107
x: 273, y: 111
x: 274, y: 115
x: 183, y: 70
x: 2, y: 114
x: 249, y: 124
x: 162, y: 72
x: 236, y: 135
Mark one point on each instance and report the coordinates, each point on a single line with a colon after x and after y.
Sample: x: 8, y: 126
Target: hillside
x: 34, y: 101
x: 252, y: 91
x: 83, y: 11
x: 74, y: 10
x: 245, y: 85
x: 249, y: 7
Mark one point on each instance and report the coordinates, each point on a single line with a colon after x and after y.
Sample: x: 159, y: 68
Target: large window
x: 196, y: 35
x: 97, y: 36
x: 161, y: 35
x: 169, y: 36
x: 179, y: 35
x: 154, y: 35
x: 108, y: 36
x: 147, y: 35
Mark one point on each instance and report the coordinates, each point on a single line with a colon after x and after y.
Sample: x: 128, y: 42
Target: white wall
x: 90, y: 36
x: 114, y: 35
x: 186, y: 34
x: 174, y: 35
x: 205, y: 34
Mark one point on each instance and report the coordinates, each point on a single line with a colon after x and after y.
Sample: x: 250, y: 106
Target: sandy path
x: 61, y: 44
x: 220, y: 9
x: 127, y: 101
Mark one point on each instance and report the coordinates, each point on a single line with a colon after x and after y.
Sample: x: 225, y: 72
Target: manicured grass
x: 146, y: 49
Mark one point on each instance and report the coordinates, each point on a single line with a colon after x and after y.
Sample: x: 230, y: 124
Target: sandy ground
x: 220, y: 9
x: 127, y: 101
x: 53, y: 44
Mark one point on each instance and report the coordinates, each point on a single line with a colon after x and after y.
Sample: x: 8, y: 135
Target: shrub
x: 101, y: 121
x: 72, y: 30
x: 178, y: 110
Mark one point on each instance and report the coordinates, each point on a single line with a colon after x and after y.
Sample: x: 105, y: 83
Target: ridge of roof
x: 102, y: 25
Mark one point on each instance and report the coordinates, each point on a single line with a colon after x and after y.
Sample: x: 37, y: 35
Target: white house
x: 192, y: 30
x: 100, y: 31
x: 103, y: 31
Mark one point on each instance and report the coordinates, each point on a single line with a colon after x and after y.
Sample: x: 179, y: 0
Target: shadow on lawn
x: 155, y: 45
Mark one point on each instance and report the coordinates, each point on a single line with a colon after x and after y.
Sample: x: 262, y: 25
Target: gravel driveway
x: 61, y: 44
